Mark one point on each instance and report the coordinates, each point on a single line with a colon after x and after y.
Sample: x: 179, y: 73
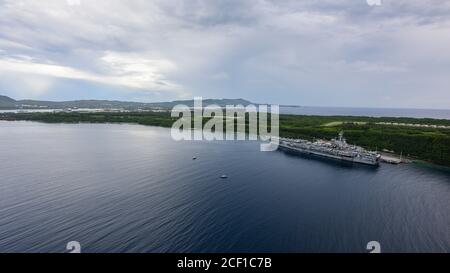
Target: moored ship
x: 337, y: 148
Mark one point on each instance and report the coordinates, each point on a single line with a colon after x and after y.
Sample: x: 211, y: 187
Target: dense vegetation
x: 424, y: 143
x: 161, y: 119
x: 430, y: 144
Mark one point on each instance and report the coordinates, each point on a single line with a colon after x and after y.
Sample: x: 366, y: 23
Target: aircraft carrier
x: 336, y: 148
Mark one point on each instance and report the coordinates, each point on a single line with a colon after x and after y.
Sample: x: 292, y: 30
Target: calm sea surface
x: 130, y: 188
x: 369, y: 112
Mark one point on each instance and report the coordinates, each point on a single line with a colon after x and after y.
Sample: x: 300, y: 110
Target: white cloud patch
x: 220, y: 76
x: 125, y: 71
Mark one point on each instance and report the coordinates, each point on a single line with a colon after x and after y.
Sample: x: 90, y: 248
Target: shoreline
x: 429, y: 144
x: 395, y: 159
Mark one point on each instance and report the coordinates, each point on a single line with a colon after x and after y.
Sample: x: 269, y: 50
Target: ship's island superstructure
x: 336, y: 148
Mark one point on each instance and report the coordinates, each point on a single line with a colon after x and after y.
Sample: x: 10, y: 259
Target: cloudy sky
x: 309, y: 52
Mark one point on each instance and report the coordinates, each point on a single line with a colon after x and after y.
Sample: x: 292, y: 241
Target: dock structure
x: 391, y: 159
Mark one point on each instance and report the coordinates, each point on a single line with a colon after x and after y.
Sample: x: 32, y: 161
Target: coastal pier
x: 391, y: 158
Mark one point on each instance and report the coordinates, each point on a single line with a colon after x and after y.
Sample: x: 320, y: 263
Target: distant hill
x: 9, y: 103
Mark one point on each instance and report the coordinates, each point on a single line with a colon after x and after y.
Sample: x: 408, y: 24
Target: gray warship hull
x: 326, y: 155
x: 335, y: 149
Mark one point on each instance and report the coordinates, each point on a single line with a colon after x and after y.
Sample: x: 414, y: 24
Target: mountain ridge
x: 7, y: 103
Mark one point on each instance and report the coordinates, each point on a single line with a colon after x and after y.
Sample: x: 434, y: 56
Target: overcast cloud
x: 310, y: 52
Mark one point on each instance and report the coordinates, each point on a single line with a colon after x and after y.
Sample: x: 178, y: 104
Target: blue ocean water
x: 369, y: 112
x: 131, y: 188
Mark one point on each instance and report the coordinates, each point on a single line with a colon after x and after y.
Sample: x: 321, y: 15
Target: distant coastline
x: 8, y: 104
x: 366, y: 112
